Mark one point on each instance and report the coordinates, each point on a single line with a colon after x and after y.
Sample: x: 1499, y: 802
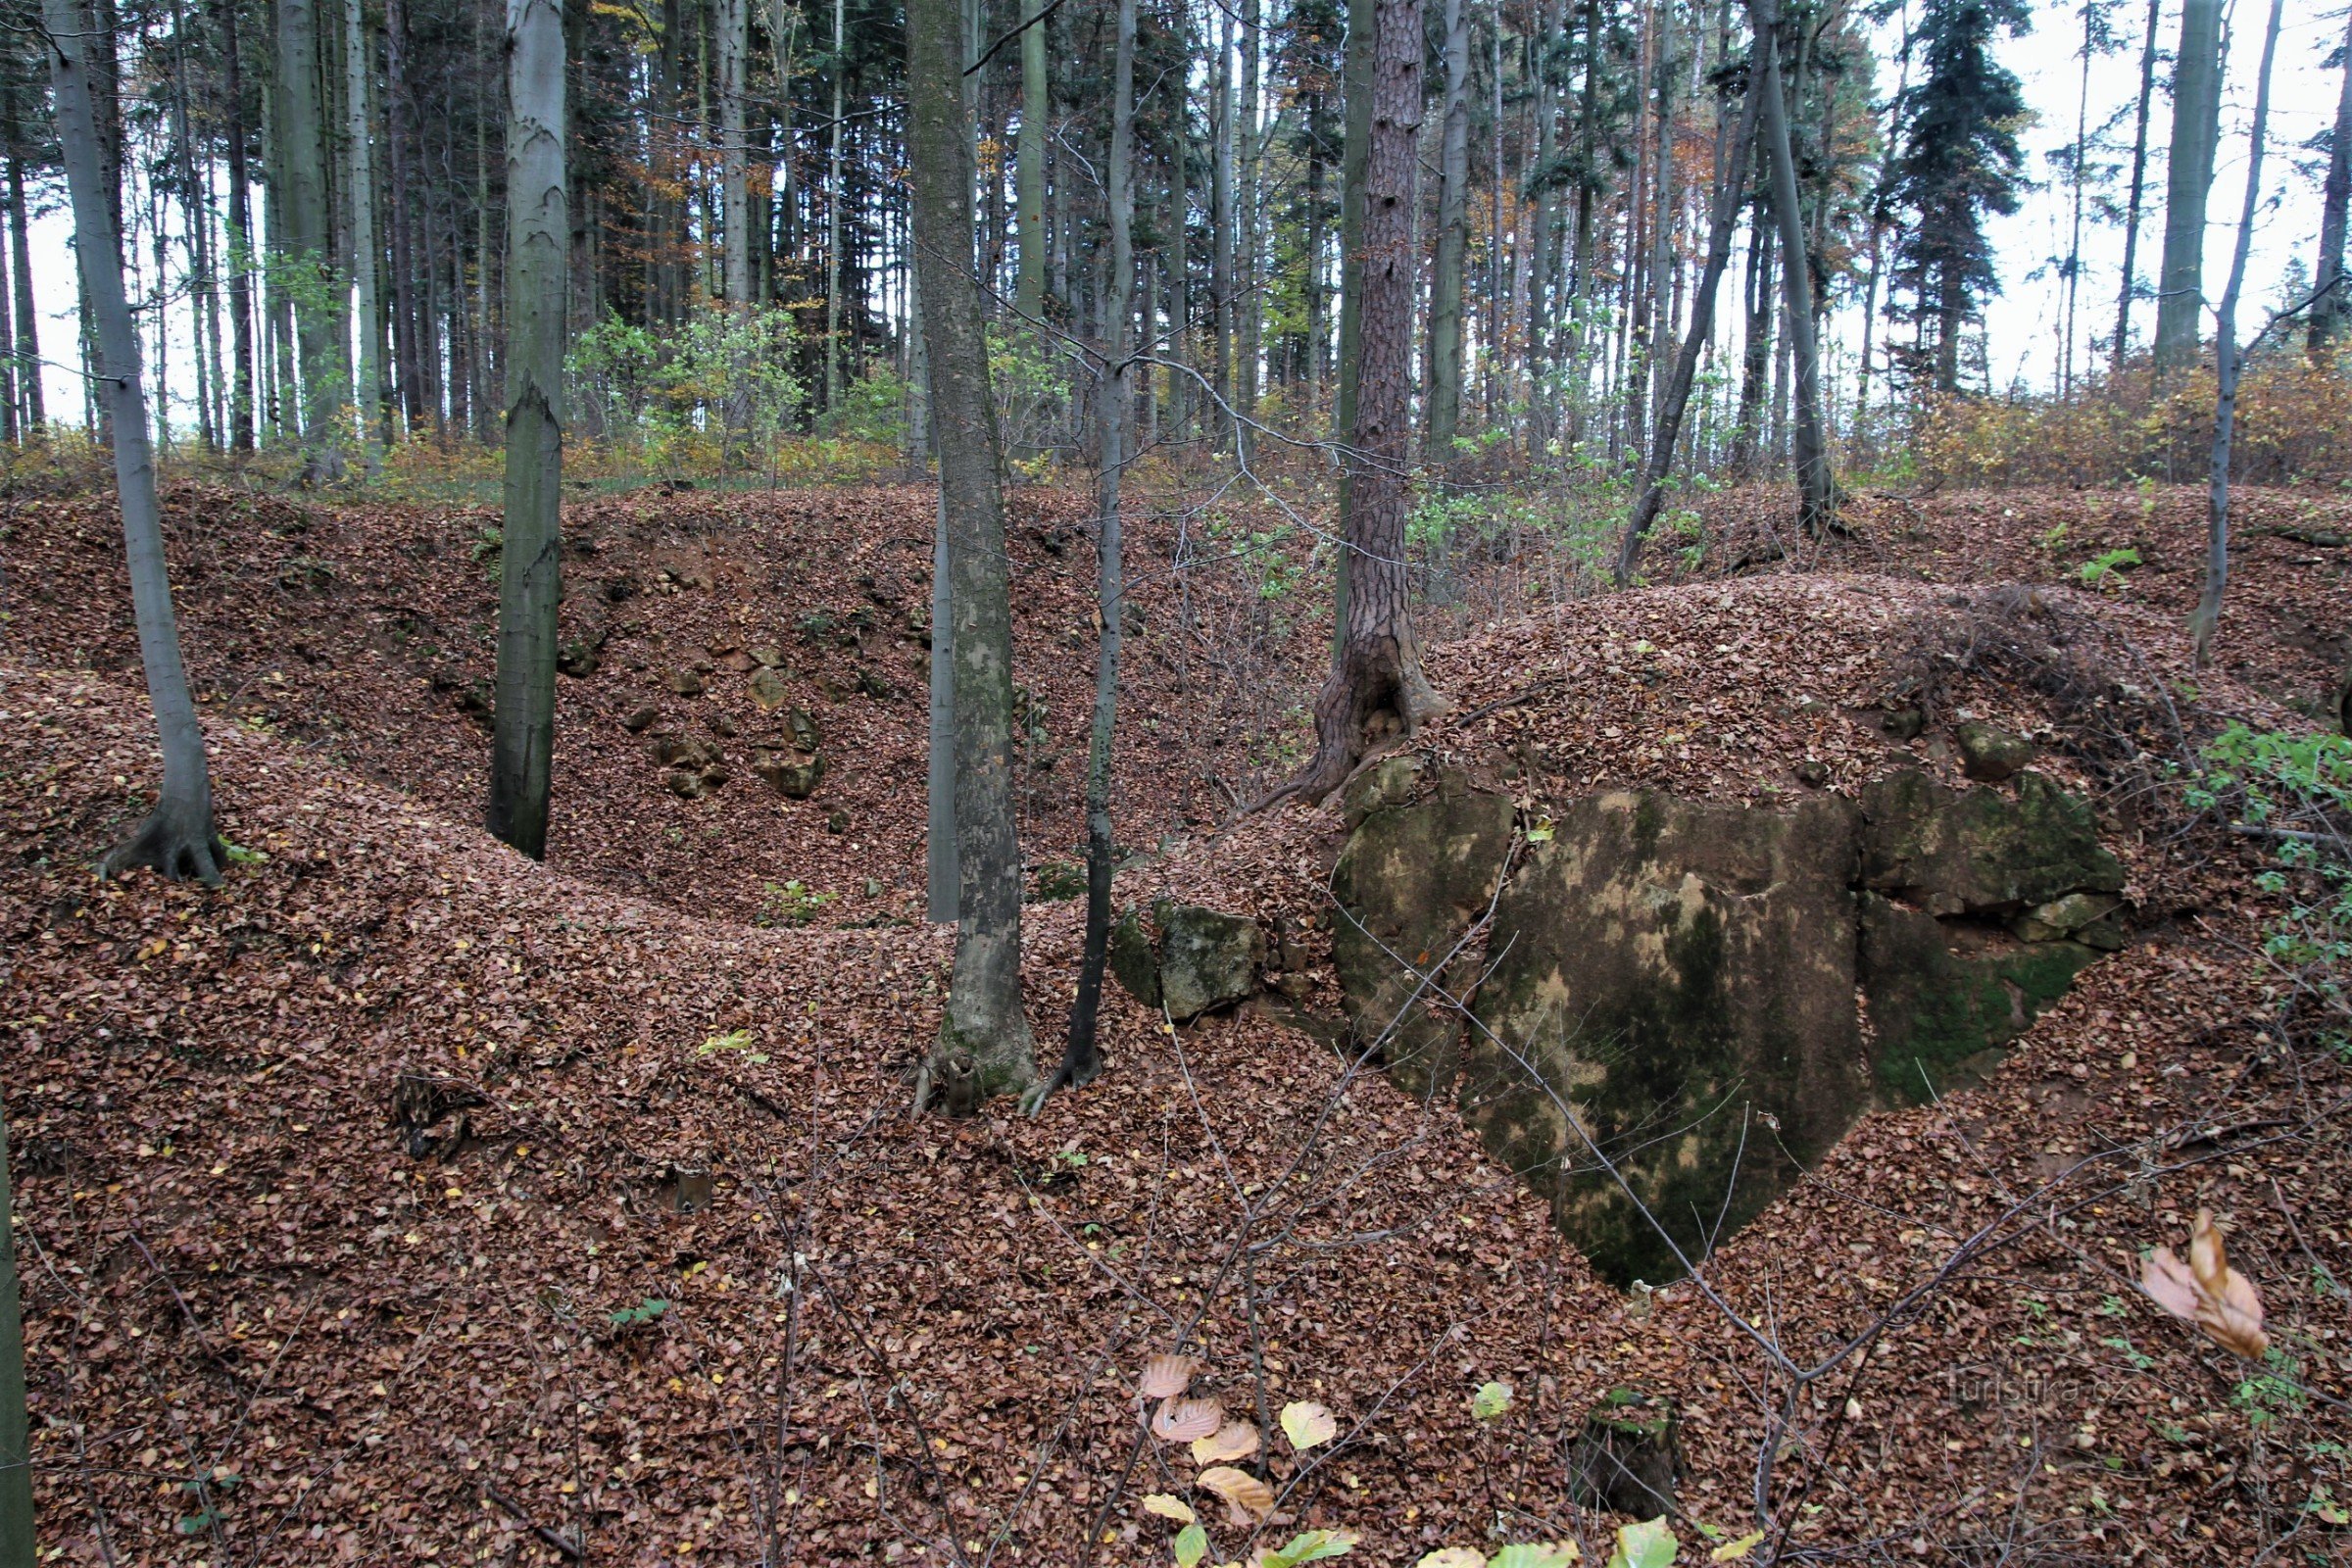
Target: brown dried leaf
x: 2207, y: 1292
x: 1235, y: 1440
x: 1168, y: 1376
x: 1247, y: 1500
x: 1182, y: 1420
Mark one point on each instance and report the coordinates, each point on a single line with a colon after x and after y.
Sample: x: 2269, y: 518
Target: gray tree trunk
x: 302, y: 185
x: 2188, y: 178
x: 833, y: 269
x: 17, y: 1542
x: 733, y: 18
x: 940, y: 845
x: 2225, y: 367
x: 1453, y: 241
x: 1818, y: 509
x: 1081, y: 1057
x: 1729, y: 199
x: 177, y: 838
x: 2330, y: 307
x: 2140, y: 183
x: 363, y: 237
x: 1356, y: 86
x: 984, y: 1045
x: 538, y: 291
x: 1029, y: 290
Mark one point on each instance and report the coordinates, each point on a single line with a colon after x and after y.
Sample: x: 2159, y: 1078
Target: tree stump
x: 1628, y: 1456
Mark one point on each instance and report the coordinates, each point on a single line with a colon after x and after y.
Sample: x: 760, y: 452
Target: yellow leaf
x: 1167, y: 1507
x: 1247, y: 1500
x: 1452, y: 1557
x: 1307, y: 1426
x: 1235, y: 1440
x: 2207, y: 1292
x: 1737, y: 1551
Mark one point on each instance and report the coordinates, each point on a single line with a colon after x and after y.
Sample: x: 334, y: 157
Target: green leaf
x: 1312, y: 1546
x: 1192, y: 1544
x: 1649, y: 1545
x: 1491, y: 1401
x: 1548, y: 1555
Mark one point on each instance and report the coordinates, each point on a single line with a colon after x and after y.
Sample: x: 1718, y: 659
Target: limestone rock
x: 1628, y: 1456
x: 1989, y: 754
x: 1207, y: 959
x: 2088, y: 916
x: 1385, y: 783
x: 641, y: 718
x: 767, y: 657
x: 1947, y: 996
x: 580, y: 656
x: 803, y: 725
x: 794, y: 778
x: 1674, y: 971
x: 1409, y: 882
x: 768, y: 689
x: 1980, y: 852
x: 685, y: 682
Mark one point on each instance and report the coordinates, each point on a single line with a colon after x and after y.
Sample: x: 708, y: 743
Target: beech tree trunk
x: 2188, y: 178
x: 734, y: 20
x: 2225, y: 367
x: 984, y: 1045
x: 2139, y: 182
x: 1376, y: 690
x: 2329, y: 306
x: 1029, y: 290
x: 302, y: 186
x: 1818, y: 508
x: 537, y: 299
x: 177, y: 838
x: 1724, y: 221
x: 241, y: 255
x: 1082, y: 1058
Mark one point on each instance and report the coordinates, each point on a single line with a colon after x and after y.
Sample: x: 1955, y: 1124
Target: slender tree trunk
x: 177, y: 838
x: 984, y: 1045
x: 1249, y: 210
x: 1819, y: 509
x: 241, y: 255
x: 1220, y: 250
x: 17, y: 1542
x: 2208, y: 612
x: 2188, y: 179
x: 2075, y: 182
x: 834, y: 274
x: 411, y: 337
x: 2330, y: 307
x: 1755, y: 369
x: 1453, y: 241
x: 1725, y: 223
x: 1029, y: 292
x: 1375, y: 689
x: 11, y: 404
x: 302, y: 144
x: 370, y: 400
x: 1081, y: 1057
x: 2133, y: 202
x: 538, y: 301
x: 734, y: 20
x: 29, y: 332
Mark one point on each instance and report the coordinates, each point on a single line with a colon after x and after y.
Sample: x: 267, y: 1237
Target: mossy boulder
x: 1947, y: 996
x: 1981, y: 851
x: 1207, y: 959
x: 1411, y: 880
x: 1629, y: 1455
x: 1670, y: 973
x: 1133, y: 959
x: 1988, y: 753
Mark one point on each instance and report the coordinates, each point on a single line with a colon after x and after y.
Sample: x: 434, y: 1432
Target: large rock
x: 1981, y: 851
x: 1133, y: 959
x: 1411, y: 881
x: 1947, y: 995
x: 1677, y: 977
x: 1207, y: 959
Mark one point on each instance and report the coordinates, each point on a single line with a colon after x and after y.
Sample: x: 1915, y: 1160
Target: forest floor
x: 404, y: 1201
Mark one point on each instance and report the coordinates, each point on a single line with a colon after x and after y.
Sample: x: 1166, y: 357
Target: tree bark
x: 2330, y: 307
x: 538, y: 303
x: 364, y: 248
x: 1375, y: 689
x: 302, y: 152
x: 1818, y: 509
x: 2139, y: 182
x: 2208, y: 612
x: 1453, y: 242
x: 984, y: 1045
x: 734, y: 20
x: 177, y: 838
x: 1029, y: 291
x: 1729, y: 199
x: 1082, y: 1058
x: 833, y: 269
x: 2188, y: 178
x: 1355, y: 87
x: 28, y: 333
x: 240, y: 230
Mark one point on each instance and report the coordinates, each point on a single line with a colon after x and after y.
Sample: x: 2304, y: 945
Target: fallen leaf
x: 1647, y: 1545
x: 1452, y: 1557
x: 1166, y: 1376
x: 1235, y: 1440
x: 1737, y: 1551
x: 1491, y: 1401
x: 1307, y: 1425
x: 1529, y: 1554
x: 2207, y: 1292
x: 1167, y: 1507
x: 1182, y: 1420
x: 1247, y: 1500
x: 1190, y: 1545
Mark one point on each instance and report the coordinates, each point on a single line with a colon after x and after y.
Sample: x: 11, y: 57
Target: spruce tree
x: 1959, y: 161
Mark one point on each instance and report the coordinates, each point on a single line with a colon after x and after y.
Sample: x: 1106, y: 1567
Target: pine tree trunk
x: 177, y: 838
x: 1029, y: 291
x: 1376, y: 690
x: 410, y: 333
x: 363, y: 247
x: 2208, y: 612
x: 1355, y: 85
x: 1818, y: 510
x: 2330, y: 307
x: 2188, y: 179
x: 28, y: 333
x: 2139, y: 193
x: 537, y: 304
x: 1453, y: 241
x: 984, y: 1045
x: 1670, y: 407
x: 1081, y: 1057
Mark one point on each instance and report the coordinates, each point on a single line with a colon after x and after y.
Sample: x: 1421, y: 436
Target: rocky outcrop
x: 1663, y: 1028
x: 1204, y: 958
